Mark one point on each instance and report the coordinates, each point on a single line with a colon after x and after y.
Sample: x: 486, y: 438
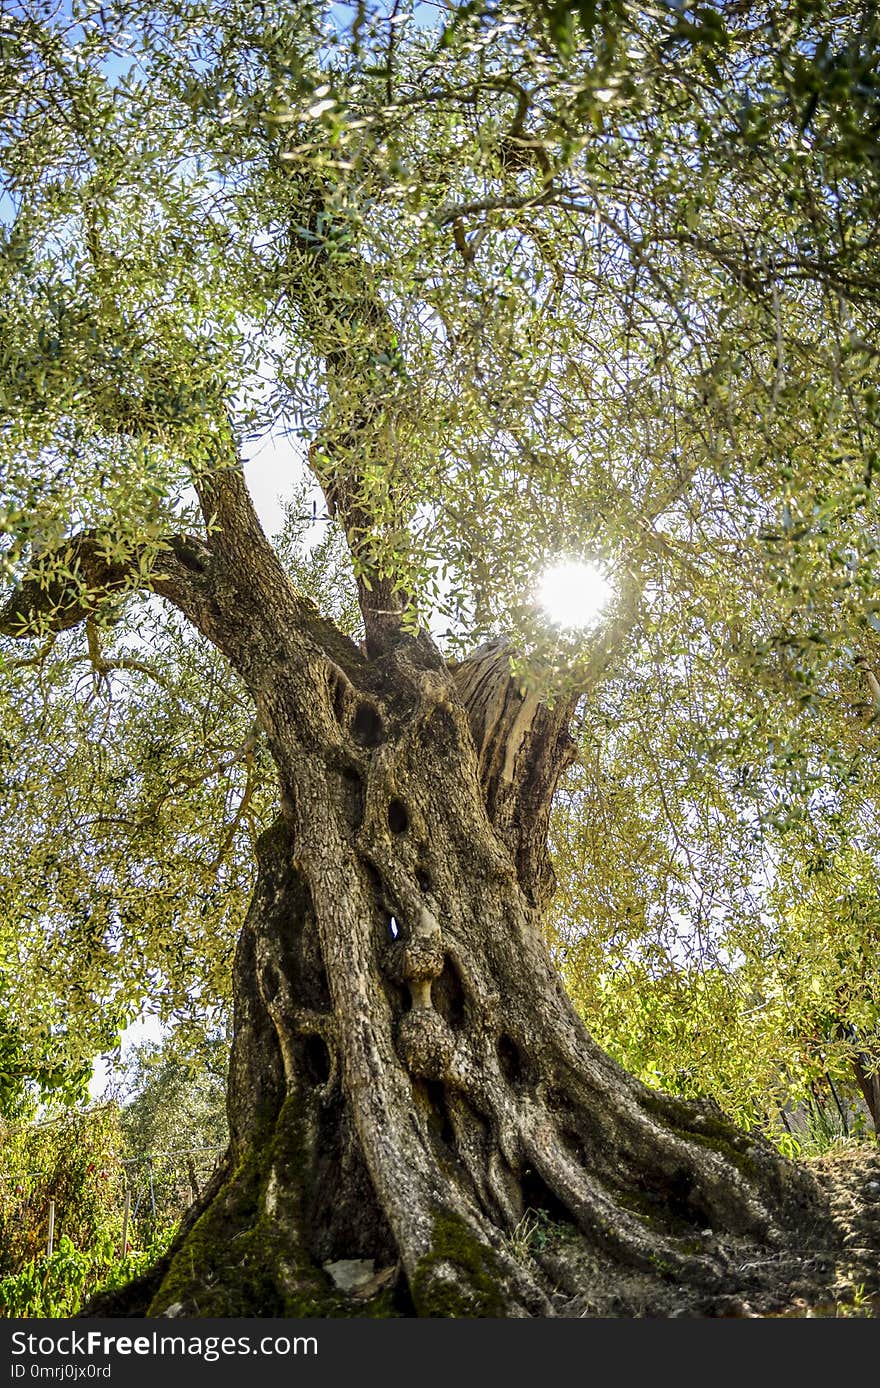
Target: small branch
x: 124, y: 662
x: 242, y: 753
x: 95, y: 656
x: 454, y: 212
x: 871, y: 680
x: 247, y: 796
x: 40, y: 656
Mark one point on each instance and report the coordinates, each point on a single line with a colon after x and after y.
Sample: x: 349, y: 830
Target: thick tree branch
x: 523, y: 746
x: 237, y: 594
x: 68, y: 584
x: 334, y: 290
x: 226, y: 503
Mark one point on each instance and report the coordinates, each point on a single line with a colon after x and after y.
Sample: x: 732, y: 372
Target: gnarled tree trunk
x: 411, y: 1090
x: 409, y: 1079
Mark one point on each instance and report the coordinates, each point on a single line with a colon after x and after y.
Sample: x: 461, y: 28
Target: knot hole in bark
x: 398, y: 819
x: 510, y: 1060
x: 184, y: 550
x: 366, y: 726
x: 315, y: 1060
x: 433, y: 1095
x: 340, y: 698
x: 680, y: 1198
x: 537, y: 1196
x: 271, y: 982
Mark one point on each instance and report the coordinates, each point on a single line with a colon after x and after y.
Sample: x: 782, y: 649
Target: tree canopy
x: 515, y: 282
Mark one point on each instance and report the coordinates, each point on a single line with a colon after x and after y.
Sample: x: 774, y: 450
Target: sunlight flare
x: 574, y: 593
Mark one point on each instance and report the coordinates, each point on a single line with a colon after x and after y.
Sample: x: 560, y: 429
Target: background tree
x: 155, y: 1137
x: 522, y: 296
x: 173, y: 1118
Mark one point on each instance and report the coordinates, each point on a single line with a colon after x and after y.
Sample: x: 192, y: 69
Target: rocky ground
x: 837, y: 1278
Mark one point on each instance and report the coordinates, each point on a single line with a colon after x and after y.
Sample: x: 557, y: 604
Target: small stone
x: 384, y: 1277
x: 348, y: 1274
x: 175, y: 1309
x: 873, y: 1188
x: 707, y: 1234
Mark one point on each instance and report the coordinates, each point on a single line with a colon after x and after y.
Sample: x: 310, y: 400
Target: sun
x: 574, y: 593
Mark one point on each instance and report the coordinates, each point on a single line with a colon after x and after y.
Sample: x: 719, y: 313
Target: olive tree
x: 518, y: 293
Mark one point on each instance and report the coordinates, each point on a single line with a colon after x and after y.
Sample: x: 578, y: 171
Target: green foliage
x: 593, y: 279
x: 172, y: 1100
x: 59, y: 1284
x: 535, y: 1233
x: 173, y: 1121
x: 110, y: 890
x: 73, y: 1160
x: 158, y: 1144
x: 760, y: 1003
x: 21, y: 1075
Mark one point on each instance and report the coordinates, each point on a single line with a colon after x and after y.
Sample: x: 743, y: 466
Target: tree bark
x: 867, y: 1077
